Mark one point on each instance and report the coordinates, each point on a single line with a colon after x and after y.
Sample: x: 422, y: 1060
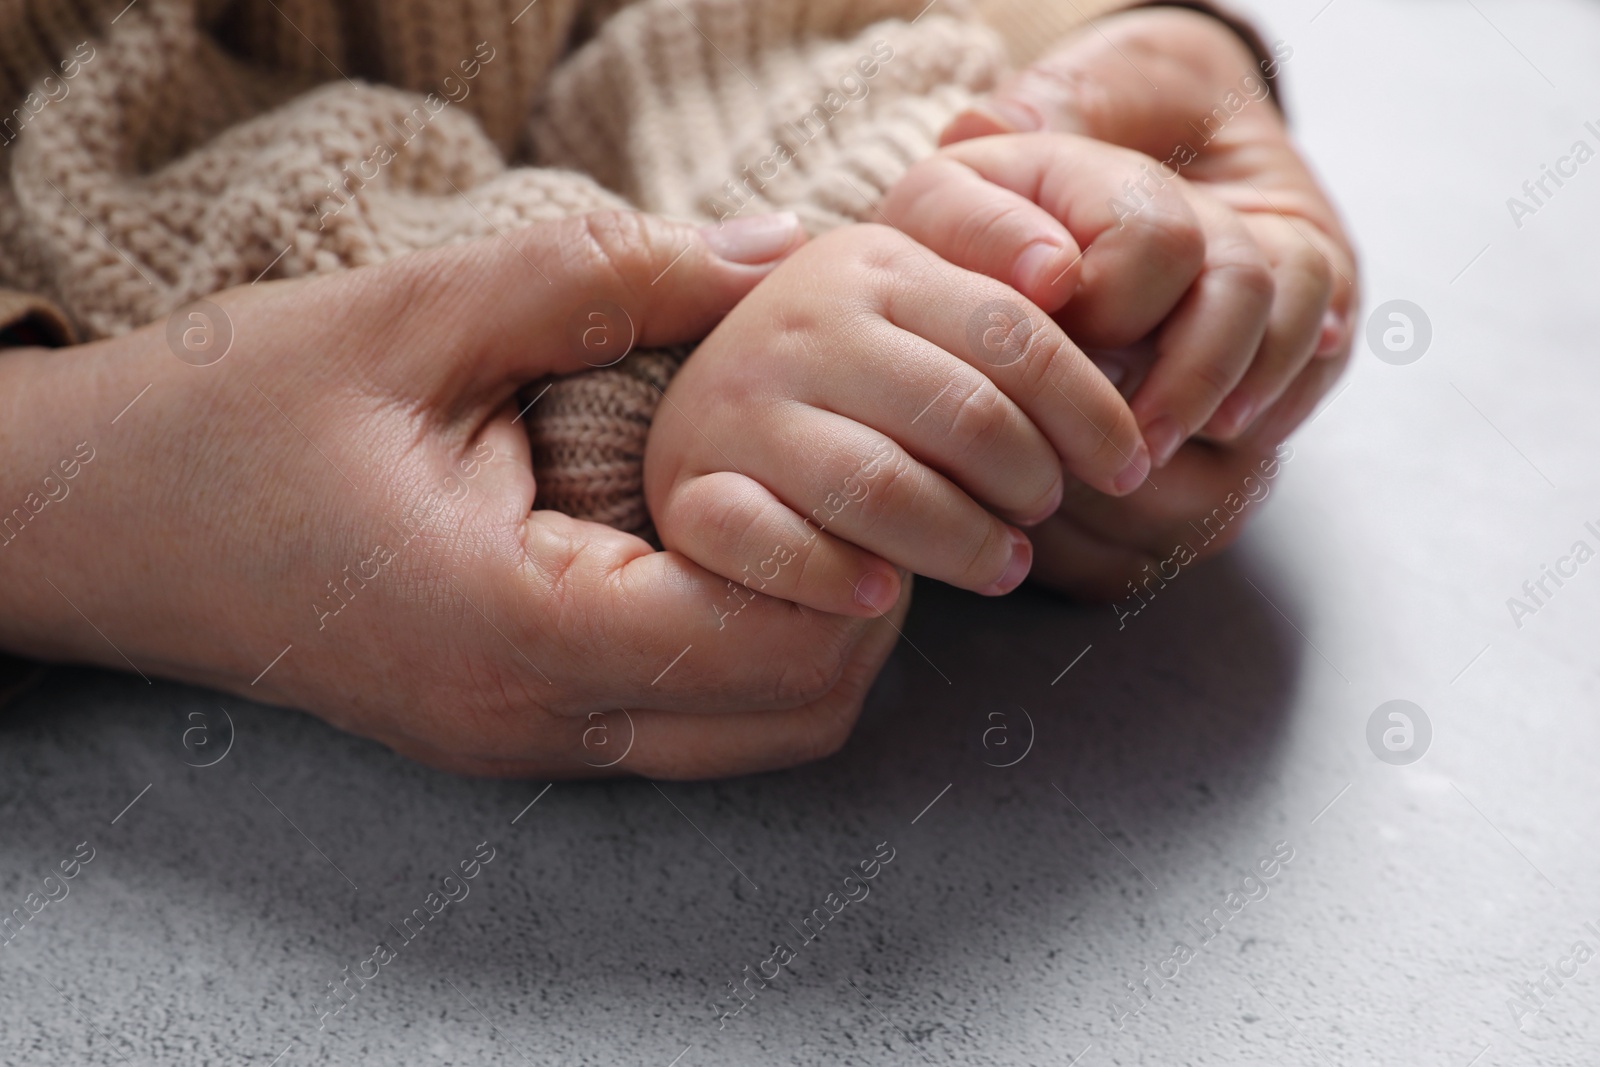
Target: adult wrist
x: 55, y: 488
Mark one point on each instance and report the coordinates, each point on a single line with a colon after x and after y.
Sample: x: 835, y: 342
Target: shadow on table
x: 1124, y: 758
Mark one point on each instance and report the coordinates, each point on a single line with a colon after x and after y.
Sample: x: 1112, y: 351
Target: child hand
x: 841, y: 423
x: 1117, y: 249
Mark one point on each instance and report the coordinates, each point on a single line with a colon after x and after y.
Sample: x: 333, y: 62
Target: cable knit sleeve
x: 708, y: 109
x: 180, y: 147
x: 705, y: 109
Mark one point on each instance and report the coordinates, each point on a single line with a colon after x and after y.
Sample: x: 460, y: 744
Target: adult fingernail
x: 877, y: 592
x: 754, y: 240
x: 1021, y: 117
x: 1021, y: 563
x: 1164, y: 435
x: 1331, y: 339
x: 1133, y: 475
x: 1040, y: 267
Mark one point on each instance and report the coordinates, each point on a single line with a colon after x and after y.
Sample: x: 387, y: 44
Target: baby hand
x: 848, y: 419
x: 1117, y: 249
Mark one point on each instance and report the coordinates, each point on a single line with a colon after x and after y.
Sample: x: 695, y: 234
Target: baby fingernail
x: 1040, y: 266
x: 877, y: 592
x: 1049, y: 509
x: 1163, y: 436
x: 1021, y: 563
x: 754, y: 240
x: 1332, y: 335
x: 1235, y: 414
x: 1133, y: 475
x: 1014, y: 113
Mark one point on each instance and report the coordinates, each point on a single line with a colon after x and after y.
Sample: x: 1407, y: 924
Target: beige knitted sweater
x: 162, y: 150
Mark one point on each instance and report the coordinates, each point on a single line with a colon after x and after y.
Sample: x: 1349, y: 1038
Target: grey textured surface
x: 1229, y: 716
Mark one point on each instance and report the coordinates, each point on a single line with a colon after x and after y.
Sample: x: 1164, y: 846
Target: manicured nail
x: 1163, y: 436
x: 1040, y: 267
x: 1021, y: 563
x: 877, y: 592
x: 1331, y: 339
x: 1133, y: 475
x: 1021, y: 117
x: 754, y: 240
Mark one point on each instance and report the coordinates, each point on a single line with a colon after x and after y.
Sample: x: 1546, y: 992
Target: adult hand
x: 1183, y: 88
x: 336, y: 515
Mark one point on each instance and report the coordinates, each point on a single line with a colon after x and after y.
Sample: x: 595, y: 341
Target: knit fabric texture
x: 162, y: 151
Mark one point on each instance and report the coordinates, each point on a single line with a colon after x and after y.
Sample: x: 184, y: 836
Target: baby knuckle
x: 978, y: 419
x: 1213, y: 380
x: 1312, y: 268
x: 810, y: 672
x: 875, y: 251
x: 1251, y: 276
x: 990, y: 228
x: 892, y: 490
x: 1171, y: 233
x: 1048, y: 354
x: 727, y: 518
x: 830, y: 730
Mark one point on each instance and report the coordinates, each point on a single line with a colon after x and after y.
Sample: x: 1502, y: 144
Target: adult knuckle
x: 605, y: 247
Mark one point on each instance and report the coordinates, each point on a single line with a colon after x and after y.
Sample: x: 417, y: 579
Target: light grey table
x: 1227, y: 720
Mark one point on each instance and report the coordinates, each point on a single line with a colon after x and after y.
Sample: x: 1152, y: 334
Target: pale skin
x: 1240, y: 280
x: 199, y: 542
x: 1098, y: 84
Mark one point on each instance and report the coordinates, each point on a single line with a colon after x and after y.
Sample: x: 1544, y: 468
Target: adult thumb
x: 571, y: 294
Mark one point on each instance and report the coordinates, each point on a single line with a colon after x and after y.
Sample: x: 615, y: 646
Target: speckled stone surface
x: 1412, y: 911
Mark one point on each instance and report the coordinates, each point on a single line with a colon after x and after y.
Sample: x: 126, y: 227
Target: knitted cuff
x: 589, y: 435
